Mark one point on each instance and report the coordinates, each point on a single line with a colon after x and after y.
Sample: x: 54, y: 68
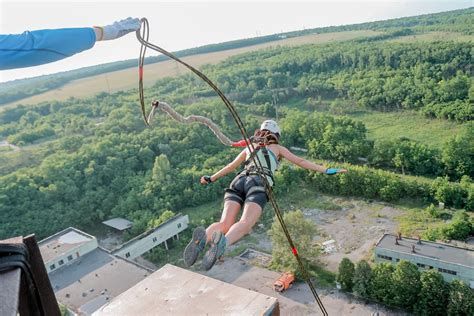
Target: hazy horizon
x: 193, y: 24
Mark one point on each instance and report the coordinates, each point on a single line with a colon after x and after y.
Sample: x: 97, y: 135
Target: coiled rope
x: 142, y: 36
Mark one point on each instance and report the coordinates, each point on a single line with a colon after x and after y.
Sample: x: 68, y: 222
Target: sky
x: 184, y: 24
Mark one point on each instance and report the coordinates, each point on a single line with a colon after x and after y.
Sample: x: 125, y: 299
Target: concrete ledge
x: 176, y: 291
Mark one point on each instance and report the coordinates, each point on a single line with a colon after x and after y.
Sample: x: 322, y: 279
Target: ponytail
x: 265, y: 137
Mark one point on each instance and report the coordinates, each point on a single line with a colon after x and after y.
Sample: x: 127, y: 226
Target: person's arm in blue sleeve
x: 45, y: 46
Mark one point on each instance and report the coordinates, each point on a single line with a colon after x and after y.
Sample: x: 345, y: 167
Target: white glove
x: 120, y: 28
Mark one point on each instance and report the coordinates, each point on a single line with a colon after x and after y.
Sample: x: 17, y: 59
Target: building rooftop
x: 176, y: 291
x: 428, y: 249
x: 118, y: 223
x: 150, y: 231
x: 62, y: 242
x: 94, y: 279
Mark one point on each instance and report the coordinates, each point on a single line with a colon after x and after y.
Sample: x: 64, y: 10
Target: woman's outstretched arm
x: 227, y: 169
x: 303, y: 163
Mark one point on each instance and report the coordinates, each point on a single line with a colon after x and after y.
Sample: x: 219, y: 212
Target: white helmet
x: 271, y: 126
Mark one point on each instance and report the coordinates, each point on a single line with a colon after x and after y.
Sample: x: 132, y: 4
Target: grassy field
x: 434, y: 36
x: 392, y: 125
x: 415, y: 126
x: 128, y: 78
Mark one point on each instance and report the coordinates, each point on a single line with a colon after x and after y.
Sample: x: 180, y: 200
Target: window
x: 398, y: 260
x: 447, y: 271
x: 385, y: 257
x: 61, y: 262
x: 52, y: 267
x: 69, y: 258
x: 127, y: 255
x: 179, y: 225
x: 154, y: 239
x: 421, y: 265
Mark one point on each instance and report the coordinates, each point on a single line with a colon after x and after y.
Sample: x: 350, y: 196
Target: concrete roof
x: 118, y: 223
x: 428, y: 249
x: 94, y: 279
x: 62, y: 242
x: 176, y: 291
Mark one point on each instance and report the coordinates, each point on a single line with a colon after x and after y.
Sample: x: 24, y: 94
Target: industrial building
x: 451, y: 261
x: 152, y: 238
x: 83, y: 275
x: 65, y: 247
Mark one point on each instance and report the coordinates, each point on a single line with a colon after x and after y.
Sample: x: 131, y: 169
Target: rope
x: 144, y: 42
x: 189, y: 119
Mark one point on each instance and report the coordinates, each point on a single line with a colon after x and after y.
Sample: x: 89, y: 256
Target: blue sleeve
x: 43, y: 46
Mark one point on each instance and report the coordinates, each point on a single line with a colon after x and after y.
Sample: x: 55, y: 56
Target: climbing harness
x: 268, y: 169
x: 142, y: 36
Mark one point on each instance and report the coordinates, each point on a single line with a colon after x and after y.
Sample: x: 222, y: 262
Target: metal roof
x: 428, y: 249
x: 118, y: 223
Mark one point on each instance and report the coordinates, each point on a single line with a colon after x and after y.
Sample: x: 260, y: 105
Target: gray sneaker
x: 195, y: 246
x: 218, y: 244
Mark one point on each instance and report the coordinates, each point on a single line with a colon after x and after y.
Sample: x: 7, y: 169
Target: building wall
x: 463, y: 273
x: 71, y: 256
x: 150, y: 240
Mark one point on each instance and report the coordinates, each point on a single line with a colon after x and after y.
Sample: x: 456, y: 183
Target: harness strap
x: 256, y: 189
x: 16, y: 256
x: 230, y: 193
x: 251, y: 169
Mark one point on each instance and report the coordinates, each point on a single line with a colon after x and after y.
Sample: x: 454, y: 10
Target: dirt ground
x: 298, y: 300
x: 355, y: 228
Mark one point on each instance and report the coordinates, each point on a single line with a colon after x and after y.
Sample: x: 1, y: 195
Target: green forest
x: 82, y: 161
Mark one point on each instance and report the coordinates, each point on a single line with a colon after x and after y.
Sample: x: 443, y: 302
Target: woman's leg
x: 231, y: 208
x: 250, y: 216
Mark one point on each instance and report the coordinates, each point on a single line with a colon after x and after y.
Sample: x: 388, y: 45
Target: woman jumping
x: 247, y: 190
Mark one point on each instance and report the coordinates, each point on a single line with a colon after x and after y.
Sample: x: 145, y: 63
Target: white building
x: 152, y: 238
x: 65, y: 247
x: 83, y: 275
x: 451, y: 261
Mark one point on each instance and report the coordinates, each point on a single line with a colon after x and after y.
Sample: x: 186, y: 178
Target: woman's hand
x: 331, y: 171
x: 205, y: 180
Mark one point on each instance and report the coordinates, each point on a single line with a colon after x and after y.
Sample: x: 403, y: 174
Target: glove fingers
x: 120, y: 28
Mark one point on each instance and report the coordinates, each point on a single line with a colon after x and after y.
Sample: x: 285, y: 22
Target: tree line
x: 404, y: 286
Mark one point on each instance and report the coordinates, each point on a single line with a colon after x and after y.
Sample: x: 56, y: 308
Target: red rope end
x: 240, y: 143
x: 294, y: 251
x: 140, y: 73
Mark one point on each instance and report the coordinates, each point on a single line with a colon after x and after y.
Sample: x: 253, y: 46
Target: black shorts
x: 247, y: 189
